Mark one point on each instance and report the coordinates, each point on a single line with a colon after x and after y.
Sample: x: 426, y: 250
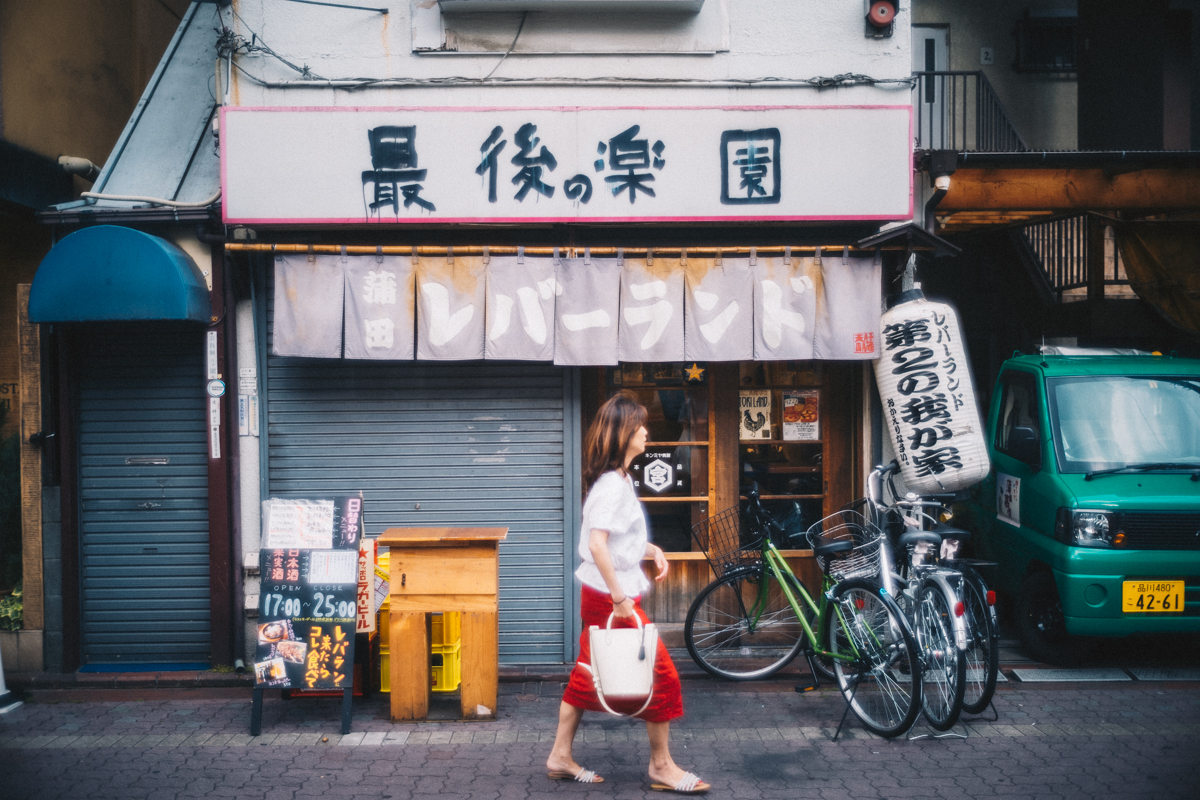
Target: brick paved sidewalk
x: 757, y: 740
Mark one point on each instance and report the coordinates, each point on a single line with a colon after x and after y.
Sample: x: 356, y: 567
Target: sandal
x: 688, y: 784
x: 583, y: 776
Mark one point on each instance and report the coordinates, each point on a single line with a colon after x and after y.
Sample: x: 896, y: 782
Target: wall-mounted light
x: 881, y: 17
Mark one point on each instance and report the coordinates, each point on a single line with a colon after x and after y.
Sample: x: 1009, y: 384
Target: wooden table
x: 444, y: 569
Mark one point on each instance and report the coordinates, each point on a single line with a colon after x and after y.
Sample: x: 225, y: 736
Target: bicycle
x: 756, y: 616
x: 945, y: 598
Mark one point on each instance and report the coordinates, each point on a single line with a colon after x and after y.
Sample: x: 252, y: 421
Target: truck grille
x: 1147, y: 530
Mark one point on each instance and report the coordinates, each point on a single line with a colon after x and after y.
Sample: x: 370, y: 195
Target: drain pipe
x: 941, y: 185
x: 942, y: 164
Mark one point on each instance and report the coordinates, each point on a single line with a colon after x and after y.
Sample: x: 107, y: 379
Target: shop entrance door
x: 143, y: 497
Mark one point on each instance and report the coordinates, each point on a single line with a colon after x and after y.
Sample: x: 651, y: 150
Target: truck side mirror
x: 1023, y: 445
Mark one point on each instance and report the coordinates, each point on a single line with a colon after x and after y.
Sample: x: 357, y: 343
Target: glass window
x: 1019, y: 421
x: 781, y: 437
x: 1108, y: 421
x: 672, y: 475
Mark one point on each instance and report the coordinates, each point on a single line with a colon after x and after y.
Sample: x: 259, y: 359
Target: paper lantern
x: 929, y: 406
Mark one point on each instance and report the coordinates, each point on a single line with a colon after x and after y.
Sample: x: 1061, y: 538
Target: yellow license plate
x: 1152, y: 597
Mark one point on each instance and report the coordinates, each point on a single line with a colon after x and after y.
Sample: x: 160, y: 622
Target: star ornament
x: 695, y: 373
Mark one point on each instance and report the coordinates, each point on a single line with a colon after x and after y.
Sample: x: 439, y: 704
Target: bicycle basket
x: 861, y: 562
x: 727, y: 542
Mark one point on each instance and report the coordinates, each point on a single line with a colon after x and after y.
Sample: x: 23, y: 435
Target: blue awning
x: 108, y: 273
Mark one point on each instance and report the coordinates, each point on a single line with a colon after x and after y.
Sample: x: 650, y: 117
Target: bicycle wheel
x: 881, y: 674
x: 742, y: 627
x: 983, y: 650
x: 942, y: 664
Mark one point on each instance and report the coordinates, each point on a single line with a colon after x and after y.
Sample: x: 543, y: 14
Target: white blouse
x: 613, y: 505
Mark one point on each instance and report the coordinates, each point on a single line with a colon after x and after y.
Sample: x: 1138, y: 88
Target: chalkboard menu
x: 308, y: 595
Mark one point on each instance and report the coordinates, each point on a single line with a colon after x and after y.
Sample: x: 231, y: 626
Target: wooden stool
x: 444, y: 569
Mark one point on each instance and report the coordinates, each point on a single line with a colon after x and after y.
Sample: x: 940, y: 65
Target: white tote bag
x: 623, y: 662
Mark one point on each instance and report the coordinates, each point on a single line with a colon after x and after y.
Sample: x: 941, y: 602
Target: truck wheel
x: 1040, y: 623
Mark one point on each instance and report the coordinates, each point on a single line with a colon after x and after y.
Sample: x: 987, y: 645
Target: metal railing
x: 960, y: 111
x: 1061, y: 249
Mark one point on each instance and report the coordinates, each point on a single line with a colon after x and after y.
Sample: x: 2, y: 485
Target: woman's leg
x: 560, y: 758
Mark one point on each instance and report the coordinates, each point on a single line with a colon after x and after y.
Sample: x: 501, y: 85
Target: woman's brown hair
x: 607, y: 439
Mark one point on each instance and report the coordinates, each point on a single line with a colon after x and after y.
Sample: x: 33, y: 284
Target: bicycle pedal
x: 801, y: 689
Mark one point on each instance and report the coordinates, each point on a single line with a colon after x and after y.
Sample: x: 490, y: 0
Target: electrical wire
x: 309, y: 79
x: 338, y: 5
x: 510, y: 47
x: 819, y: 82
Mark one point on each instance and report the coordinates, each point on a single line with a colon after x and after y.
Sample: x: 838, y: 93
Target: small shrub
x: 12, y: 609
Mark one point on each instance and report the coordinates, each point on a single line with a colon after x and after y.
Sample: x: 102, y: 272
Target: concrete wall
x: 729, y: 39
x: 1041, y: 107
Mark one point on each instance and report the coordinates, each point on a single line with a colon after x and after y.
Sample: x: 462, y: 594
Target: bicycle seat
x: 946, y: 532
x: 833, y: 548
x: 910, y: 538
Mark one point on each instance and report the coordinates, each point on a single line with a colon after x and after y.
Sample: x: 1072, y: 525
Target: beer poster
x: 801, y: 416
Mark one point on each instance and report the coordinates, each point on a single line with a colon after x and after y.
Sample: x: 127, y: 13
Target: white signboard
x: 1008, y: 499
x: 566, y: 164
x: 332, y: 566
x: 299, y: 524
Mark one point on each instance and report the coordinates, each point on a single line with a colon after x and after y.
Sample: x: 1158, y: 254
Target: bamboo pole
x: 829, y: 251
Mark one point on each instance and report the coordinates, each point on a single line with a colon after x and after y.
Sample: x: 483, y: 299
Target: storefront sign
x: 660, y: 472
x: 578, y: 311
x: 308, y: 602
x: 929, y: 405
x: 565, y: 164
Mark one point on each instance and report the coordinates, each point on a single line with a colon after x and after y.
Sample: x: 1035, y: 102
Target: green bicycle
x: 757, y: 616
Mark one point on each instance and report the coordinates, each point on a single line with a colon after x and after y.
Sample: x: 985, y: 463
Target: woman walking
x: 612, y: 544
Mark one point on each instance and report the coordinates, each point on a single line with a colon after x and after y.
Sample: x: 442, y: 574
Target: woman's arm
x: 598, y: 546
x: 660, y: 561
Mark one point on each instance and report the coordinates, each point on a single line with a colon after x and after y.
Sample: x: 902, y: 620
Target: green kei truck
x: 1092, y: 507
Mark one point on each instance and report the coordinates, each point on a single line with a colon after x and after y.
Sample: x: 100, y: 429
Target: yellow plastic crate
x: 447, y: 668
x: 445, y: 671
x: 447, y: 629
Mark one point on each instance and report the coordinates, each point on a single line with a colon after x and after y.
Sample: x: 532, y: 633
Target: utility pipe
x: 941, y: 185
x: 564, y: 252
x: 158, y: 201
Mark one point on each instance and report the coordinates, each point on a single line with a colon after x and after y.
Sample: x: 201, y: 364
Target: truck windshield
x: 1107, y: 421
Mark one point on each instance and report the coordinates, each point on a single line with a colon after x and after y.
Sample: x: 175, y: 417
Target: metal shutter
x: 143, y: 526
x: 473, y: 443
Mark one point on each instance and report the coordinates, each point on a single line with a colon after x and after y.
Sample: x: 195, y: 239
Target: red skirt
x: 667, y: 702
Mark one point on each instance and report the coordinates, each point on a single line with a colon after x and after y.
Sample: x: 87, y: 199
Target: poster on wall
x: 754, y: 414
x: 309, y: 599
x: 801, y: 415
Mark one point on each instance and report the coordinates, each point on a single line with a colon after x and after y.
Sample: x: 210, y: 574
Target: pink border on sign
x: 565, y: 220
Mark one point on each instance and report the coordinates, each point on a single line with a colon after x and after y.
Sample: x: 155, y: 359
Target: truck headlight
x: 1085, y: 528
